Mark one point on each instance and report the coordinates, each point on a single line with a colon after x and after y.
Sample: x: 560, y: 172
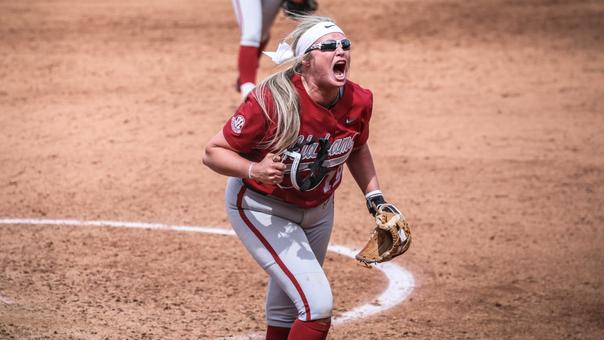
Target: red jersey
x: 345, y: 126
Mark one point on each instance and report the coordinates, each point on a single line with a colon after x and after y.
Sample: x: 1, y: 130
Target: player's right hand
x: 269, y: 170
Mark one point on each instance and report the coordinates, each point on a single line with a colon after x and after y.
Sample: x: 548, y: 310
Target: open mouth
x: 339, y: 69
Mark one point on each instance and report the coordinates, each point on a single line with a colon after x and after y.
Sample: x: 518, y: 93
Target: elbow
x: 207, y: 156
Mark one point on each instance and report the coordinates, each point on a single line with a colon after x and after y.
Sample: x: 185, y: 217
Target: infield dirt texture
x: 488, y: 131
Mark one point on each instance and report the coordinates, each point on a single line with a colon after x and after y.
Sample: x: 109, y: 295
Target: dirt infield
x: 487, y: 131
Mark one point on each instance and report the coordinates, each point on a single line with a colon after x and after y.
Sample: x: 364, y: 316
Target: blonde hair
x: 286, y: 101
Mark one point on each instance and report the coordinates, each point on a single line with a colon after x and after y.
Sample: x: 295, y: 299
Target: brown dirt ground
x: 487, y: 130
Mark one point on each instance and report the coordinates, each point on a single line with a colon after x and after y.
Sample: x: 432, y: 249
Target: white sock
x: 245, y: 89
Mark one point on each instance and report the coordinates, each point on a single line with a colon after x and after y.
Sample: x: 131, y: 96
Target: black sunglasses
x: 330, y: 45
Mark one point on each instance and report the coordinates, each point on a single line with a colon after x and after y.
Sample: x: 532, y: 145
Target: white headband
x: 284, y: 51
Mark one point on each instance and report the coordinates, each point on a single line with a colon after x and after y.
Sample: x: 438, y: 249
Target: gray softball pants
x: 289, y: 243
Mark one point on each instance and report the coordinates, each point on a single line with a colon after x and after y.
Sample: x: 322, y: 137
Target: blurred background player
x: 255, y: 18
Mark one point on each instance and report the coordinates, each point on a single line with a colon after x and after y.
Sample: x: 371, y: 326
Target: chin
x: 338, y: 80
x: 340, y: 83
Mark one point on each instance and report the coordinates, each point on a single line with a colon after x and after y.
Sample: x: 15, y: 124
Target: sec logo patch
x: 237, y: 123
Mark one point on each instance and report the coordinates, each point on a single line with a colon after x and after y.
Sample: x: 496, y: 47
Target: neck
x: 321, y: 96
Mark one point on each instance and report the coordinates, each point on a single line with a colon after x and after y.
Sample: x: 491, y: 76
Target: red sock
x: 247, y: 63
x: 276, y: 333
x: 309, y: 330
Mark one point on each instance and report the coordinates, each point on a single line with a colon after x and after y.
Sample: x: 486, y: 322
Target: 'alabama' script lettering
x: 339, y: 146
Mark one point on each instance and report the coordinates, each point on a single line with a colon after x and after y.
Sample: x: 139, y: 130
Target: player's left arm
x: 360, y: 164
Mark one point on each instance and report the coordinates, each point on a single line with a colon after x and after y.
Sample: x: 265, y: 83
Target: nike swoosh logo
x: 328, y: 26
x: 349, y: 121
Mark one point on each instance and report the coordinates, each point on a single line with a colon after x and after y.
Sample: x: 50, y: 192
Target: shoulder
x: 251, y: 114
x: 360, y: 95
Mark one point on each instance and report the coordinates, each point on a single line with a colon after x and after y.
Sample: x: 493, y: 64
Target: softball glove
x: 391, y: 237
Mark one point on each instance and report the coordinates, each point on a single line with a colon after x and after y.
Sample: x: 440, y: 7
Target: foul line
x: 400, y: 281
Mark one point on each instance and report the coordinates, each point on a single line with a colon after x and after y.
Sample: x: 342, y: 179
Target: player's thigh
x: 317, y: 225
x: 273, y: 240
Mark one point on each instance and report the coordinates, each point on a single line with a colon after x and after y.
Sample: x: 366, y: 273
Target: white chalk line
x: 400, y: 281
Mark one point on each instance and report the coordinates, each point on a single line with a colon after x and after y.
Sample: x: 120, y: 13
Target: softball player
x: 284, y: 150
x: 255, y: 18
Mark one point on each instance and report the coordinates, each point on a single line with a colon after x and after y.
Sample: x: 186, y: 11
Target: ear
x: 305, y: 62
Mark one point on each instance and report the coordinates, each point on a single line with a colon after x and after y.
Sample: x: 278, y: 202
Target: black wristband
x: 373, y: 200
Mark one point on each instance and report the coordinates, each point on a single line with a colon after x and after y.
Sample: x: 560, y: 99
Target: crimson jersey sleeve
x: 247, y: 128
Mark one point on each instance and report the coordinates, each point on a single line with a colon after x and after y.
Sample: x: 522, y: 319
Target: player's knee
x: 281, y: 315
x: 321, y: 306
x: 322, y: 311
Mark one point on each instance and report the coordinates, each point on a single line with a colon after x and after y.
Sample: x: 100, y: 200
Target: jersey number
x: 333, y: 178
